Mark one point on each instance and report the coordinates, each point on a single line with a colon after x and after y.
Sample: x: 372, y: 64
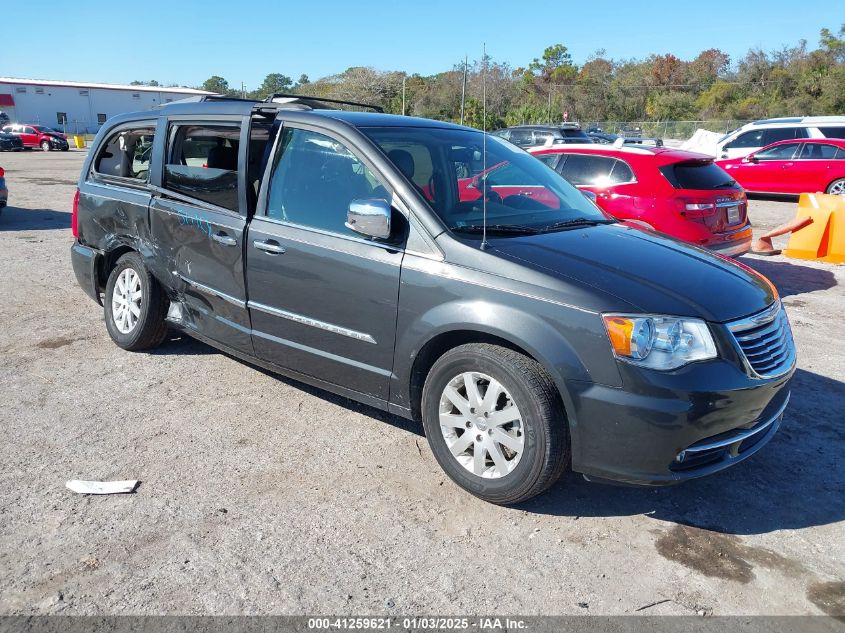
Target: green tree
x: 217, y: 84
x: 273, y: 83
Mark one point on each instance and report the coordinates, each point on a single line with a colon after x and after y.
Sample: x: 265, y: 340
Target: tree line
x: 791, y: 81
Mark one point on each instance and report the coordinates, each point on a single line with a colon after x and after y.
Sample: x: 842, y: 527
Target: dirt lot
x: 261, y: 495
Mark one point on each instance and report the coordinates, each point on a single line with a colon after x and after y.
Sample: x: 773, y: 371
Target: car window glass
x: 580, y: 169
x: 753, y: 138
x: 779, y: 152
x: 541, y: 138
x: 314, y: 179
x: 521, y: 137
x: 549, y: 159
x: 203, y: 163
x: 506, y: 175
x: 774, y: 135
x: 126, y: 154
x: 817, y: 151
x: 833, y: 132
x: 621, y: 173
x: 28, y: 130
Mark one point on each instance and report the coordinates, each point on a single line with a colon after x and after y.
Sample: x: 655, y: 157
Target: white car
x: 758, y: 134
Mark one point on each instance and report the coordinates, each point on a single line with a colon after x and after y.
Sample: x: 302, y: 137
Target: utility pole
x: 403, y: 94
x: 464, y: 89
x: 550, y: 104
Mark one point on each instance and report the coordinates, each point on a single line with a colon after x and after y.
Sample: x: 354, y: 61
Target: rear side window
x: 818, y: 151
x: 591, y: 171
x: 704, y: 175
x: 621, y: 173
x: 202, y: 162
x: 776, y: 134
x: 833, y: 132
x: 126, y: 154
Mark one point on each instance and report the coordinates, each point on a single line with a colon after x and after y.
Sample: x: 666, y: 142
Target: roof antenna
x: 484, y: 144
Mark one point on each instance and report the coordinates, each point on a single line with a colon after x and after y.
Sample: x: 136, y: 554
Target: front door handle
x: 270, y: 246
x: 225, y: 240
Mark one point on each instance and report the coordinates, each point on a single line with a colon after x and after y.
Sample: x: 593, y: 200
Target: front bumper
x: 86, y: 266
x: 667, y: 428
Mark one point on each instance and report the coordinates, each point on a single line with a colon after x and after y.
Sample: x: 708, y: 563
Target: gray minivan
x: 372, y: 255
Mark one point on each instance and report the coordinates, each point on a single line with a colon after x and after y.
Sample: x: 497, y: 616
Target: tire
x: 45, y: 146
x: 144, y: 326
x: 837, y: 187
x: 517, y: 472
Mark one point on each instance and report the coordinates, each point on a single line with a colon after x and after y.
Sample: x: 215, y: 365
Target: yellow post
x: 79, y: 141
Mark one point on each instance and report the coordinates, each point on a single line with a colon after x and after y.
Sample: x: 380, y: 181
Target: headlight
x: 659, y: 342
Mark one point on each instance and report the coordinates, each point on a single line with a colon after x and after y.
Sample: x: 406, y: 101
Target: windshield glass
x: 447, y: 167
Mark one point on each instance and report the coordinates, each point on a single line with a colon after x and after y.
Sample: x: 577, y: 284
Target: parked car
x: 682, y: 194
x: 532, y: 135
x: 792, y: 167
x: 38, y: 136
x: 4, y: 192
x: 604, y: 138
x: 758, y: 134
x: 527, y: 333
x: 10, y: 142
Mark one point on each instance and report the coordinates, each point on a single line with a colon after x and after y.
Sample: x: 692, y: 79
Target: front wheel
x: 135, y: 305
x: 495, y: 422
x: 45, y: 145
x: 837, y: 187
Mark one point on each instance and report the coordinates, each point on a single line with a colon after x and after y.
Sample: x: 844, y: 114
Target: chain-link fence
x: 676, y: 130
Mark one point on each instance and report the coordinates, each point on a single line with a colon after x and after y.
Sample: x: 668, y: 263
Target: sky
x: 185, y: 42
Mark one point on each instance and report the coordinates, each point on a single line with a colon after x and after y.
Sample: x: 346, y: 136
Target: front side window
x: 817, y: 151
x: 126, y: 154
x: 780, y: 152
x: 202, y: 162
x: 518, y: 192
x: 753, y: 138
x: 590, y: 171
x: 314, y: 179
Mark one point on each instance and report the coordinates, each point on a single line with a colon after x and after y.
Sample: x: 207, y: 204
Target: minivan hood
x: 656, y: 274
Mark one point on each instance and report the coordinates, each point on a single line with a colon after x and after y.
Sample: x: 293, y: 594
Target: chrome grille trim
x: 764, y: 341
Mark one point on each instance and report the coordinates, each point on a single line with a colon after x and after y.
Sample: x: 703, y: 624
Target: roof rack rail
x: 308, y: 98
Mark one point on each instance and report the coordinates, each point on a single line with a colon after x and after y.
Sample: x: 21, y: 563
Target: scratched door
x: 197, y: 224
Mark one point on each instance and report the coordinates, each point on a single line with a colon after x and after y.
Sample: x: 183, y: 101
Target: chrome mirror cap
x: 370, y: 218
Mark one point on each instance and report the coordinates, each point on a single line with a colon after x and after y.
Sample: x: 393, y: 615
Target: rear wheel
x: 45, y: 145
x: 135, y: 305
x: 495, y: 423
x: 837, y: 187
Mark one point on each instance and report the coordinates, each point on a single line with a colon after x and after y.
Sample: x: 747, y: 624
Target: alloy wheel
x: 126, y: 301
x: 482, y: 425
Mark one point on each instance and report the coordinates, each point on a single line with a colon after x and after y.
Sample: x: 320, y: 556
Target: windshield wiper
x: 576, y: 222
x: 516, y: 229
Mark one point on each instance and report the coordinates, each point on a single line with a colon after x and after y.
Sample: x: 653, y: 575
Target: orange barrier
x: 824, y: 239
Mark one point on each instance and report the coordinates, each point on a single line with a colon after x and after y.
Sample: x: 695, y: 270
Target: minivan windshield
x: 448, y: 168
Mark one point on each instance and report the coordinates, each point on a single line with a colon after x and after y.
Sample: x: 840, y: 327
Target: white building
x: 78, y: 107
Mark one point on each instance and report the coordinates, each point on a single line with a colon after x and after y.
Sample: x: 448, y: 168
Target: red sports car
x: 792, y: 167
x: 682, y: 194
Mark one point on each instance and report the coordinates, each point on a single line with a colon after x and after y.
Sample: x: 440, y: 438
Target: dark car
x: 10, y: 142
x: 33, y: 136
x: 527, y: 332
x: 535, y: 135
x: 4, y: 192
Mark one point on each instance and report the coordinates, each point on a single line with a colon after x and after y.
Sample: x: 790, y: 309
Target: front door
x: 197, y: 220
x: 323, y: 299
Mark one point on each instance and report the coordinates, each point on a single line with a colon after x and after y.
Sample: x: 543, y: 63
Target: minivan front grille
x: 765, y: 340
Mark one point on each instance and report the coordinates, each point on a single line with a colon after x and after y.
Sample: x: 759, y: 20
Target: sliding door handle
x: 269, y: 246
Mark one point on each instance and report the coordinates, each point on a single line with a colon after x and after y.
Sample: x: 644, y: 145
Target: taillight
x: 2, y: 172
x: 696, y: 208
x: 74, y: 218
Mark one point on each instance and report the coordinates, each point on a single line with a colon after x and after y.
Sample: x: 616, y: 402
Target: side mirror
x: 751, y: 158
x: 370, y: 218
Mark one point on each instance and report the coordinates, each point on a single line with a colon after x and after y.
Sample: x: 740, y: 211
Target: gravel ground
x: 261, y: 495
